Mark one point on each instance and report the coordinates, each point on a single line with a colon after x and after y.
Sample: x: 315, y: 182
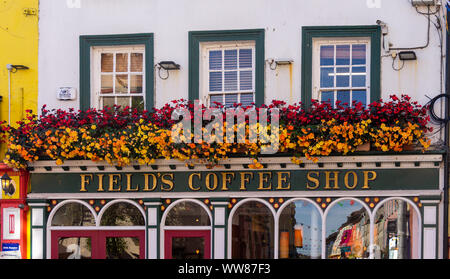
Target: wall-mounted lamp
x: 7, y: 186
x: 407, y: 55
x: 168, y: 66
x: 279, y: 62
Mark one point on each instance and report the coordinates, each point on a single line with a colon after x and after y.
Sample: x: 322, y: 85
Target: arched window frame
x: 230, y: 220
x: 163, y: 226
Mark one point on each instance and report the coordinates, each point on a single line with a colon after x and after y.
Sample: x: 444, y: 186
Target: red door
x: 187, y: 244
x: 98, y: 244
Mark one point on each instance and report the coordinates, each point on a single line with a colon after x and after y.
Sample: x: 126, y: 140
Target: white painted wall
x: 170, y: 21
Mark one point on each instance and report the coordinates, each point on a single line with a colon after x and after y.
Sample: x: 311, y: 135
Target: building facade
x: 18, y: 89
x: 364, y: 205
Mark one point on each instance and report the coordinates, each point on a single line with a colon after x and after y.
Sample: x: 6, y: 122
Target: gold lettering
x: 245, y: 179
x: 113, y: 180
x: 355, y: 180
x: 264, y: 179
x: 129, y: 183
x: 283, y: 179
x: 367, y: 178
x: 167, y: 182
x: 155, y: 182
x: 191, y: 177
x: 100, y: 183
x: 334, y: 178
x: 208, y: 185
x: 226, y: 180
x: 85, y: 181
x: 315, y: 180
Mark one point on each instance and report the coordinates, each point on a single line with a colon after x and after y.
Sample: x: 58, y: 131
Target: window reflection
x: 300, y: 231
x: 252, y: 232
x: 73, y: 214
x: 122, y: 248
x: 187, y: 213
x: 122, y: 214
x: 347, y: 231
x: 395, y: 231
x: 74, y: 248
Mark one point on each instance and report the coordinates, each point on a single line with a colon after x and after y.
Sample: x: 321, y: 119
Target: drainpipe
x: 446, y: 141
x: 9, y: 67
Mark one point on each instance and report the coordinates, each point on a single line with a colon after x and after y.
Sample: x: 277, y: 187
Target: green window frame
x: 88, y: 41
x: 311, y: 32
x: 198, y: 37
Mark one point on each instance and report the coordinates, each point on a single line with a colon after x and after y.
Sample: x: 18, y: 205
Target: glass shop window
x: 396, y: 230
x: 347, y: 231
x: 187, y: 213
x: 253, y: 232
x: 122, y: 214
x: 300, y: 231
x: 73, y: 214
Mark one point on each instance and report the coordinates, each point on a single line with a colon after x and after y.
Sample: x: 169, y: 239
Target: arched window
x: 73, y: 214
x: 122, y: 214
x: 396, y: 231
x: 300, y: 231
x: 187, y: 213
x: 253, y: 232
x: 347, y: 230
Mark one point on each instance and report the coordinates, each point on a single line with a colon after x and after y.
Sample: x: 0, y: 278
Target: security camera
x: 381, y: 23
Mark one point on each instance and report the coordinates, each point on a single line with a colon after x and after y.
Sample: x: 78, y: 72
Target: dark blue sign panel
x: 10, y: 246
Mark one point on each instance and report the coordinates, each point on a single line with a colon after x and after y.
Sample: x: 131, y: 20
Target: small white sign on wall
x: 66, y: 93
x: 11, y: 223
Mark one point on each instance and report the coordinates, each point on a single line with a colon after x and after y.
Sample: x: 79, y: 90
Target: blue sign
x: 10, y: 246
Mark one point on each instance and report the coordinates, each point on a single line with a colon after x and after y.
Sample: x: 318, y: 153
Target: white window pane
x: 121, y: 84
x: 327, y: 97
x: 107, y: 62
x: 137, y: 60
x: 230, y: 99
x: 231, y: 81
x: 108, y: 101
x: 326, y: 77
x: 342, y: 77
x: 344, y: 97
x: 215, y: 60
x: 326, y: 55
x: 246, y: 80
x: 123, y: 102
x: 137, y: 102
x: 246, y: 99
x: 215, y: 99
x: 358, y: 54
x: 106, y: 84
x: 136, y: 84
x: 230, y: 59
x: 122, y: 62
x: 360, y: 96
x: 343, y: 55
x: 215, y: 81
x: 245, y: 58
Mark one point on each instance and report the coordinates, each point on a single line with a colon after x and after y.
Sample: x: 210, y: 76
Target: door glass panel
x: 122, y: 247
x: 74, y: 248
x: 188, y: 247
